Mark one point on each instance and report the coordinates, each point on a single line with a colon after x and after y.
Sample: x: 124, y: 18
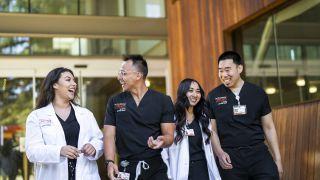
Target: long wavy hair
x: 200, y: 110
x: 47, y: 94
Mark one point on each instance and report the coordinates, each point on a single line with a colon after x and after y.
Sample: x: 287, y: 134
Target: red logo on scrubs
x: 221, y: 100
x: 120, y: 107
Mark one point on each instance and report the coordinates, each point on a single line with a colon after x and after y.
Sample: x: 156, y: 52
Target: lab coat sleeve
x: 36, y: 149
x: 166, y: 159
x: 96, y: 139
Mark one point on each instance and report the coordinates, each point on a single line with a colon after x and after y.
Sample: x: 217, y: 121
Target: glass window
x: 14, y: 46
x: 282, y: 54
x: 145, y: 8
x: 135, y: 8
x: 54, y: 6
x: 304, y: 61
x: 147, y: 47
x: 14, y: 6
x: 15, y: 105
x: 259, y: 57
x: 102, y: 7
x: 81, y: 46
x: 54, y: 46
x: 107, y: 47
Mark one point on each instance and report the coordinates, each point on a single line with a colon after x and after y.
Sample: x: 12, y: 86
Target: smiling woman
x: 61, y: 134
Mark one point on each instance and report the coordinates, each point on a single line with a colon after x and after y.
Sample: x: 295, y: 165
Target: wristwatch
x: 107, y: 161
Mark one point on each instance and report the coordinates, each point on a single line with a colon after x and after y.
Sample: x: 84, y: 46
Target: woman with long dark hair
x: 191, y: 156
x: 63, y: 139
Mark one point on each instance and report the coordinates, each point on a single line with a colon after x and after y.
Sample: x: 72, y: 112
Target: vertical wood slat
x: 317, y: 145
x: 298, y: 130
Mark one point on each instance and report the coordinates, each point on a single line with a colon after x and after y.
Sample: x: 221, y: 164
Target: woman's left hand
x: 88, y: 150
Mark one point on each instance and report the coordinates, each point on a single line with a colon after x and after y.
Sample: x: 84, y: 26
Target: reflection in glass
x: 14, y: 45
x: 81, y: 47
x: 15, y: 105
x: 13, y: 5
x: 110, y: 47
x: 54, y: 6
x: 146, y: 8
x: 301, y: 48
x: 102, y: 7
x: 284, y: 49
x: 259, y: 54
x: 54, y: 46
x: 147, y: 47
x: 134, y: 8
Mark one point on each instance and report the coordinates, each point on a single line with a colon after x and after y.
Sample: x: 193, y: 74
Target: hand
x: 279, y: 166
x: 156, y: 144
x: 224, y: 160
x: 112, y: 170
x: 88, y: 150
x: 69, y: 152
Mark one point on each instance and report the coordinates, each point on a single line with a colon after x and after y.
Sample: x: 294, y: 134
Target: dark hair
x: 200, y: 110
x: 231, y: 55
x: 139, y: 62
x: 46, y: 94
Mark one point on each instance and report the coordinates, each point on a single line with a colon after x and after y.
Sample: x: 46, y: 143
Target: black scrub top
x: 71, y: 130
x: 239, y: 130
x: 195, y: 142
x: 135, y: 124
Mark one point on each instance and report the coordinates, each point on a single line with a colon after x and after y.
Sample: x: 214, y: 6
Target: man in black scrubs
x: 138, y: 124
x: 242, y: 117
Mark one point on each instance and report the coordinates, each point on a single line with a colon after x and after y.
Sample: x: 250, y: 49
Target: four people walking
x: 64, y: 140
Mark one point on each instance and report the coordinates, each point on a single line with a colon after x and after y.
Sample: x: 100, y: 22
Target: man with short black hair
x: 139, y: 122
x: 242, y: 116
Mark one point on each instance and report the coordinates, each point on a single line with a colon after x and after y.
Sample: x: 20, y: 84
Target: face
x: 128, y: 75
x: 66, y: 86
x: 229, y: 72
x: 194, y: 94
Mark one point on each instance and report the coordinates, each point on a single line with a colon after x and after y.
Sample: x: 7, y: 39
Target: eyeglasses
x: 124, y: 73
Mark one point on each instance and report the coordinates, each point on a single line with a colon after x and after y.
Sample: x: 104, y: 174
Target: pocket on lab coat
x: 49, y: 134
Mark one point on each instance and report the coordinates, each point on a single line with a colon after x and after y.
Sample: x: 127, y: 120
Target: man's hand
x: 156, y: 144
x: 279, y: 166
x: 112, y: 171
x: 88, y: 150
x: 224, y: 160
x: 70, y: 152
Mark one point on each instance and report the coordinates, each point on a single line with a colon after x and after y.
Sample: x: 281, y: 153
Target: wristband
x: 106, y: 162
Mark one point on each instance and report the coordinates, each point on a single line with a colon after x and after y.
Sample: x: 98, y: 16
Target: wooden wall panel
x: 298, y: 131
x: 196, y: 34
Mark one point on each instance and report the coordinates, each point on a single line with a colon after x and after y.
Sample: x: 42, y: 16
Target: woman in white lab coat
x: 191, y: 156
x: 63, y: 139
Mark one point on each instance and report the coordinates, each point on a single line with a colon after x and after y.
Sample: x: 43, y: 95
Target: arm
x: 271, y: 136
x: 166, y: 139
x: 36, y: 149
x: 110, y: 149
x: 224, y: 158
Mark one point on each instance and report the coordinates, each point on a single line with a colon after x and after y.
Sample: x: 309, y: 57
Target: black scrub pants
x: 198, y: 170
x: 250, y: 163
x: 157, y: 169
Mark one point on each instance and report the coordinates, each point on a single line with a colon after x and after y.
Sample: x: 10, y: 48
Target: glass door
x: 16, y: 102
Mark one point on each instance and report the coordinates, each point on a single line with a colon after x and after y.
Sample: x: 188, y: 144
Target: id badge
x: 239, y: 110
x: 123, y: 176
x: 189, y: 132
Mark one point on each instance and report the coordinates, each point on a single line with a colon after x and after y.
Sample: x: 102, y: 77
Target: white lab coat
x: 177, y: 159
x: 45, y: 137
